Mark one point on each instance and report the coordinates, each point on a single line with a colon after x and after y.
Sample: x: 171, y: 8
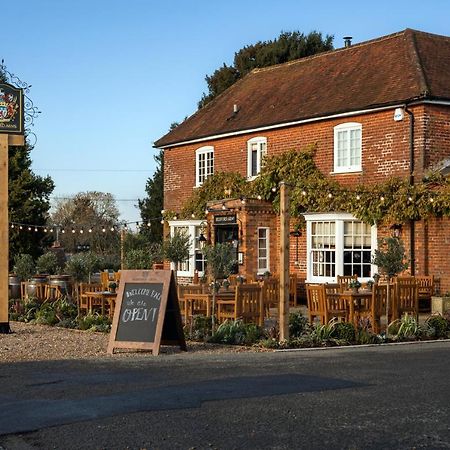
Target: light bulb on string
x: 51, y: 230
x: 303, y: 193
x: 81, y: 231
x: 382, y: 198
x: 274, y: 189
x: 29, y: 228
x: 63, y: 230
x: 12, y: 225
x: 113, y: 228
x: 358, y: 197
x: 45, y: 230
x: 20, y: 227
x: 35, y: 229
x: 259, y: 197
x: 104, y: 230
x: 73, y: 230
x: 330, y: 195
x: 90, y: 230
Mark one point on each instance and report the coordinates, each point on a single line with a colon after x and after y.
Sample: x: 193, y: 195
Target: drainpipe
x: 411, y: 182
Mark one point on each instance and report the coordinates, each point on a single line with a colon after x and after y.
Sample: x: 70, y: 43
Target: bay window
x: 338, y: 244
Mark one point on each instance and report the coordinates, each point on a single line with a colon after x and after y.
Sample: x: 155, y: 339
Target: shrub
x: 94, y: 322
x: 48, y: 263
x: 46, y: 315
x: 406, y: 328
x: 298, y: 324
x: 237, y: 332
x: 344, y: 331
x: 437, y: 326
x: 24, y: 266
x: 199, y: 329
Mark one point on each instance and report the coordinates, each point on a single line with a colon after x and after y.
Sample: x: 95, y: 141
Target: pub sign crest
x: 11, y: 109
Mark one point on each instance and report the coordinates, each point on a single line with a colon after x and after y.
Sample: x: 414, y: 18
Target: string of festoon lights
x: 74, y: 229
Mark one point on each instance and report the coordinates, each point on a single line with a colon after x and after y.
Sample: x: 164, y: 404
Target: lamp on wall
x: 201, y: 238
x: 297, y: 233
x: 396, y: 230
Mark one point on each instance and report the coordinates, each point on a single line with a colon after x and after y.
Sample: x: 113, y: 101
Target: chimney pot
x: 348, y: 41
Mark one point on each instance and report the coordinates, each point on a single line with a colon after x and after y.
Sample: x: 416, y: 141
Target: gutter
x: 280, y: 125
x: 412, y: 240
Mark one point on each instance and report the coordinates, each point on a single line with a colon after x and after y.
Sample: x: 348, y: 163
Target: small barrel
x: 14, y: 286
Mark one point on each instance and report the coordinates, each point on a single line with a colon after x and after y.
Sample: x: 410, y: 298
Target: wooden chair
x: 246, y: 305
x: 270, y: 295
x: 425, y: 290
x: 84, y: 300
x: 378, y: 305
x: 315, y: 298
x: 343, y: 281
x: 334, y: 305
x: 104, y: 280
x: 406, y: 299
x: 195, y: 308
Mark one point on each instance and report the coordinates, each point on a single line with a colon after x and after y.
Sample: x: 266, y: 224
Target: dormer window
x: 347, y: 147
x: 256, y: 152
x: 204, y: 164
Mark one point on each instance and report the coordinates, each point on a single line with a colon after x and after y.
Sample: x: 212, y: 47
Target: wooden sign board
x: 147, y: 313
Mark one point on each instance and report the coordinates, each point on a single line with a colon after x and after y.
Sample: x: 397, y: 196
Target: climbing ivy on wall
x: 392, y: 201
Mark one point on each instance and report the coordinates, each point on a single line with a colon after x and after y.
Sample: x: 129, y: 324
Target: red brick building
x: 374, y: 110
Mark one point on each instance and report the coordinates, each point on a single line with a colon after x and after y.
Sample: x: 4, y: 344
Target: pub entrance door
x: 229, y: 234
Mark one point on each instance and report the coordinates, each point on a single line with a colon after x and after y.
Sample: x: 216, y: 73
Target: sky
x: 109, y: 77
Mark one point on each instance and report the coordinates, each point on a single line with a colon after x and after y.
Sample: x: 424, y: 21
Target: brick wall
x: 385, y: 153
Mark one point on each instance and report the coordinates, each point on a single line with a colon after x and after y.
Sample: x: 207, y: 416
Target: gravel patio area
x: 30, y: 342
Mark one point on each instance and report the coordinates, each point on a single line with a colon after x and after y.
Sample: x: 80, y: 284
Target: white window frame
x: 261, y: 271
x: 261, y: 143
x: 193, y: 245
x: 339, y: 219
x: 347, y: 127
x: 201, y: 176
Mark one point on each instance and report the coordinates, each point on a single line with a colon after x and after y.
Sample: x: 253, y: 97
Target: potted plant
x: 354, y: 285
x: 112, y: 286
x: 370, y: 284
x: 226, y: 284
x: 389, y: 257
x: 440, y: 303
x: 176, y: 249
x: 220, y: 262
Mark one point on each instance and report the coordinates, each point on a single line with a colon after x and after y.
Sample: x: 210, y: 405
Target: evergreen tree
x: 287, y: 47
x: 152, y: 205
x: 29, y: 200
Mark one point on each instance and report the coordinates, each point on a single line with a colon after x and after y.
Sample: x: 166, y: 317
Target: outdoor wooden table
x: 354, y: 301
x: 104, y: 297
x: 205, y: 300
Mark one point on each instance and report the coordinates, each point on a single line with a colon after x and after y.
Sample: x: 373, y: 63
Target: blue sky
x: 111, y: 76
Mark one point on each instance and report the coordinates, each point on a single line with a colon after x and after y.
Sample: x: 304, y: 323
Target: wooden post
x: 5, y: 141
x: 284, y: 261
x: 4, y: 240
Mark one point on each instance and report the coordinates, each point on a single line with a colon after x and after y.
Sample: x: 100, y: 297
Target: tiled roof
x: 393, y: 69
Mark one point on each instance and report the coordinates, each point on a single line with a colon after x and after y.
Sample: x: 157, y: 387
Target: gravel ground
x: 29, y: 342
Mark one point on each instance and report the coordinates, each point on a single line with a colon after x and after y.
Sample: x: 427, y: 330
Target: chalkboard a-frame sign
x: 147, y: 313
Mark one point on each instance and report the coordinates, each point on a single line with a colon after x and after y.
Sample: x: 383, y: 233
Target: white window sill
x: 252, y: 177
x: 343, y: 171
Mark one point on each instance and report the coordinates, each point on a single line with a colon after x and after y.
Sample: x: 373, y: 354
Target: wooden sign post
x: 147, y: 313
x: 284, y: 261
x: 11, y: 133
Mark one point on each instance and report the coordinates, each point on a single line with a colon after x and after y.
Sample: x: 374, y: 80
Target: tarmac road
x: 355, y: 398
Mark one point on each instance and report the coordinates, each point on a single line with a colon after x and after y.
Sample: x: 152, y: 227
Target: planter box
x: 440, y: 304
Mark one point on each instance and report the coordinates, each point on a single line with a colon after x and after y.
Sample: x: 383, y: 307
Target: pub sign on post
x: 11, y: 109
